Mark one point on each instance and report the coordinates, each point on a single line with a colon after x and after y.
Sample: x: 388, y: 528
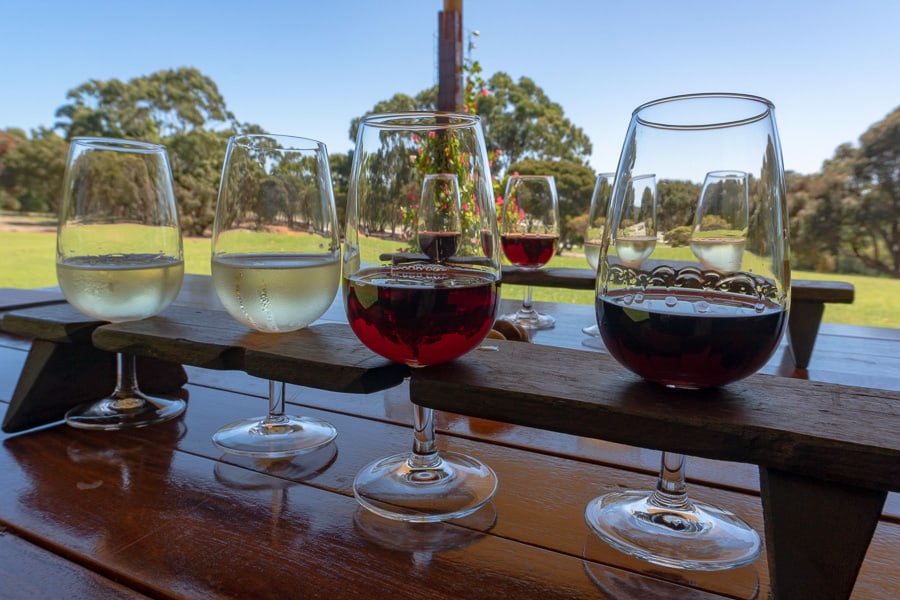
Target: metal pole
x: 450, y: 56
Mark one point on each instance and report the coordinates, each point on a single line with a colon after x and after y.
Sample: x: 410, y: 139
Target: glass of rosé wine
x: 705, y: 305
x: 594, y: 233
x: 119, y: 258
x: 276, y: 264
x: 529, y: 235
x: 427, y: 303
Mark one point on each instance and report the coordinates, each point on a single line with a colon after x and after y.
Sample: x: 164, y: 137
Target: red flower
x: 485, y: 92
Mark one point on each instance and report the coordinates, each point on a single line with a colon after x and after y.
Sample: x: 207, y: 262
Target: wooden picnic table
x: 159, y: 512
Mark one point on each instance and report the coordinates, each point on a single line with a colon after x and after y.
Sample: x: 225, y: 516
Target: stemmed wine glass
x: 438, y: 224
x: 594, y: 232
x: 529, y: 235
x: 430, y: 304
x: 686, y: 320
x: 720, y: 223
x: 275, y: 267
x: 119, y: 258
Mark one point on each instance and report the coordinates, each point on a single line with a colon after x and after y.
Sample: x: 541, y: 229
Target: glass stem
x: 671, y: 490
x: 277, y: 391
x: 526, y: 302
x: 126, y: 395
x: 424, y: 454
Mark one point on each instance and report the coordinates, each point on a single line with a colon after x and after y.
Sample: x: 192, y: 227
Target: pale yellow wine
x: 120, y: 287
x: 276, y: 292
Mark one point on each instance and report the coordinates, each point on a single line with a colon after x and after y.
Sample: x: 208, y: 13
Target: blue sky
x: 307, y: 68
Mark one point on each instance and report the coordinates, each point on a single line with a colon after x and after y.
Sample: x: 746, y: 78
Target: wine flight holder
x: 827, y: 454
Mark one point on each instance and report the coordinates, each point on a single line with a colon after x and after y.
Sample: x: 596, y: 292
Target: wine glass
x: 438, y: 223
x: 594, y: 232
x: 720, y: 223
x: 119, y: 258
x: 635, y: 234
x: 275, y: 267
x: 529, y: 235
x: 430, y: 304
x: 687, y: 321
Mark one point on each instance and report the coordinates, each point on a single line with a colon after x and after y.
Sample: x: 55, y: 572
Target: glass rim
x: 244, y: 140
x: 764, y: 109
x: 419, y: 120
x: 117, y: 144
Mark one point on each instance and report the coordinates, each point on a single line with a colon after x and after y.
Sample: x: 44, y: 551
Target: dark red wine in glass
x: 439, y: 245
x: 397, y: 315
x: 529, y: 250
x: 666, y: 337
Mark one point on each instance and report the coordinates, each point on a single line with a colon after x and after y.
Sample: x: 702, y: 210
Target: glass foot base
x: 289, y: 436
x: 135, y: 410
x: 591, y: 330
x: 531, y: 319
x: 703, y: 538
x: 455, y: 486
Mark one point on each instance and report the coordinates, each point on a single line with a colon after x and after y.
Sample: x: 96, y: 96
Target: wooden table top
x: 159, y: 512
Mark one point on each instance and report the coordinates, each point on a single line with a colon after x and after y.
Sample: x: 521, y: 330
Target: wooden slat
x: 15, y: 298
x: 28, y: 571
x: 324, y: 355
x: 834, y: 432
x: 522, y: 509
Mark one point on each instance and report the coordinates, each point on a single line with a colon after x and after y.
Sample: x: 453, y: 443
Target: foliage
x: 520, y: 119
x: 31, y: 171
x: 150, y: 108
x: 180, y: 108
x: 847, y: 218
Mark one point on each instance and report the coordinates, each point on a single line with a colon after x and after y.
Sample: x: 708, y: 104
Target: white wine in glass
x: 593, y: 236
x: 720, y: 223
x: 276, y: 268
x: 119, y: 258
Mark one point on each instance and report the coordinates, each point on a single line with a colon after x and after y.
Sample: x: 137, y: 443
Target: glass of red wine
x: 438, y: 229
x: 701, y: 309
x: 429, y: 302
x: 529, y: 235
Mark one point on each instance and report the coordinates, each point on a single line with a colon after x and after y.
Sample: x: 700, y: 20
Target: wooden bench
x: 808, y: 299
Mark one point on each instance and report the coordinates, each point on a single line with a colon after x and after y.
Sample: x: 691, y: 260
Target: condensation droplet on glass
x: 671, y: 301
x: 702, y: 306
x: 638, y: 298
x: 760, y: 307
x: 628, y: 299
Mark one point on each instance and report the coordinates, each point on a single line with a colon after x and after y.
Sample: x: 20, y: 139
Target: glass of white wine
x: 721, y: 221
x: 276, y: 266
x: 635, y: 233
x: 119, y: 258
x: 594, y: 233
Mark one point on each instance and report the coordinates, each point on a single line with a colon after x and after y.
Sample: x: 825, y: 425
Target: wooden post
x: 450, y: 56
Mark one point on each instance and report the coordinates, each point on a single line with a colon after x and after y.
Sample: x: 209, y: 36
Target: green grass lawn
x: 27, y: 260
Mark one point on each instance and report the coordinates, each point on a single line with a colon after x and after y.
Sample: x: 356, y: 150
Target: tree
x: 181, y: 108
x: 150, y: 108
x: 875, y: 240
x: 518, y: 119
x: 31, y: 170
x: 847, y: 218
x: 525, y: 124
x: 197, y: 157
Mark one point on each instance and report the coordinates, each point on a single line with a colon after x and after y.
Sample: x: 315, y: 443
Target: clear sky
x: 832, y: 67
